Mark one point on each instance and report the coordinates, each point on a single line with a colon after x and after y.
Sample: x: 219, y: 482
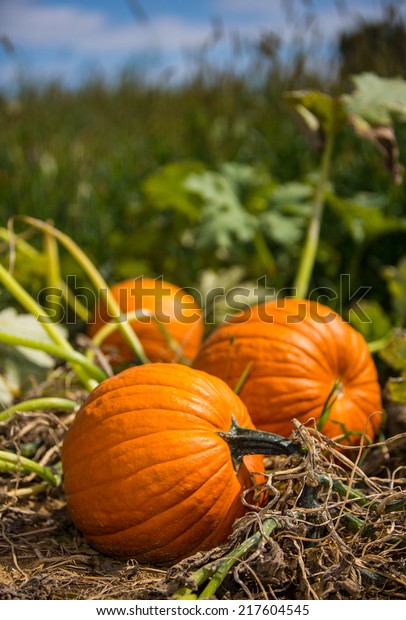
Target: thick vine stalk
x: 309, y: 251
x: 96, y: 279
x: 71, y: 356
x: 16, y: 463
x: 21, y: 295
x: 38, y: 403
x: 216, y: 571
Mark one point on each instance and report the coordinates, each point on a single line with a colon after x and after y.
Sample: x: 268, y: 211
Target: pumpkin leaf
x: 292, y: 193
x: 364, y: 219
x: 394, y: 354
x: 251, y: 184
x: 223, y: 219
x: 243, y: 176
x: 379, y: 324
x: 288, y: 212
x: 319, y: 110
x: 165, y: 189
x: 372, y: 108
x: 19, y: 365
x: 396, y: 388
x: 377, y: 100
x: 283, y: 229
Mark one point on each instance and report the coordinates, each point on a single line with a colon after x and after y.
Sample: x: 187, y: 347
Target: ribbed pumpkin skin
x: 162, y: 299
x: 294, y: 366
x: 145, y: 474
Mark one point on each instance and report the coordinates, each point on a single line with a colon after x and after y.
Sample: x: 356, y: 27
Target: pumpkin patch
x: 132, y: 457
x: 299, y: 354
x: 165, y: 313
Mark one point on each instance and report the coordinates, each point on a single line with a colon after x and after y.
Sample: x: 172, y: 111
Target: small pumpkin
x: 299, y: 352
x: 156, y: 300
x: 153, y: 462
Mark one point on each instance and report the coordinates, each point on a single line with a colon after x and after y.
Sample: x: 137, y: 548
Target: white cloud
x: 32, y: 24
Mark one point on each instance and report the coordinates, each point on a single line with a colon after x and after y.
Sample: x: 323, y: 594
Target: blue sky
x: 73, y: 39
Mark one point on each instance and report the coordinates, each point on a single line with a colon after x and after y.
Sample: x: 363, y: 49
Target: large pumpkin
x: 298, y: 351
x: 157, y: 300
x: 146, y: 474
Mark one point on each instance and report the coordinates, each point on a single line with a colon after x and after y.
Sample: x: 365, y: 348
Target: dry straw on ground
x: 319, y: 540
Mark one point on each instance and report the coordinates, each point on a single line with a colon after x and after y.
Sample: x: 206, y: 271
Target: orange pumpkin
x: 298, y: 351
x: 156, y: 300
x: 148, y: 470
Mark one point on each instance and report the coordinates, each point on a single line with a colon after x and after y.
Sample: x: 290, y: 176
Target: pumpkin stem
x: 243, y: 441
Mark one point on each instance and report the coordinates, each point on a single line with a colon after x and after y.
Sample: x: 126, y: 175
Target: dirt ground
x: 323, y: 545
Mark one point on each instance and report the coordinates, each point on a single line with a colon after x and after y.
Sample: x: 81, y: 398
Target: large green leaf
x: 244, y: 176
x: 377, y: 100
x: 165, y: 189
x: 378, y: 324
x: 223, y: 219
x: 394, y: 353
x: 284, y: 229
x: 372, y: 108
x: 292, y: 193
x: 364, y: 219
x: 288, y: 212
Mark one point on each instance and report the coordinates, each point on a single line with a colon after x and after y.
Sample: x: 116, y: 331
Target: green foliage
x: 376, y: 326
x: 288, y: 213
x: 377, y: 100
x: 213, y: 185
x: 365, y: 217
x: 397, y: 389
x: 167, y: 190
x: 396, y: 279
x: 394, y: 354
x: 378, y: 46
x: 223, y: 219
x: 319, y: 110
x: 204, y: 178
